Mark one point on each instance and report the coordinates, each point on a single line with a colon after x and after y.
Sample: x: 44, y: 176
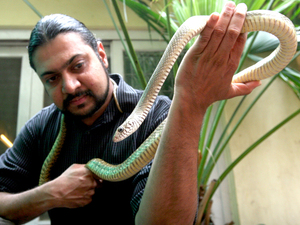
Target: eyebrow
x: 63, y: 66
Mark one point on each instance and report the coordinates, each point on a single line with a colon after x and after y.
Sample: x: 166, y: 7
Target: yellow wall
x: 267, y: 180
x: 16, y: 13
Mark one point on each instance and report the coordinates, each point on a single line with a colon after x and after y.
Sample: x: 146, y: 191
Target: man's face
x: 73, y: 74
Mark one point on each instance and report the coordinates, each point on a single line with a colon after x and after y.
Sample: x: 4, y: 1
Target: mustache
x: 70, y: 97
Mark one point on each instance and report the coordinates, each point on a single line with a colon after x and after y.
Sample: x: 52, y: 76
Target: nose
x: 69, y: 84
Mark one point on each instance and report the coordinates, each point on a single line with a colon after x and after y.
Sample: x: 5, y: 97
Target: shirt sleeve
x: 18, y: 165
x: 160, y: 112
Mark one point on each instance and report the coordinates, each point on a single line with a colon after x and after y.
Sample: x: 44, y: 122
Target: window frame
x: 30, y: 99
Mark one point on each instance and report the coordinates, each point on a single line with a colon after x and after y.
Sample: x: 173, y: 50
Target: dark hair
x: 50, y: 26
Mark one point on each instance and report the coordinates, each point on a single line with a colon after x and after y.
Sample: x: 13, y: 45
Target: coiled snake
x: 260, y: 20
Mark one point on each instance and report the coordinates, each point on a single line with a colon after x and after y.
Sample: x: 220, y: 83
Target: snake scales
x: 260, y: 20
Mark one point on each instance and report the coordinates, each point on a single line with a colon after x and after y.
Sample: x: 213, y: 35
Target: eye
x: 78, y: 66
x: 121, y: 129
x: 51, y: 79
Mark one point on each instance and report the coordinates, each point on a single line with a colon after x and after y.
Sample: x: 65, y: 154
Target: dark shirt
x: 115, y: 202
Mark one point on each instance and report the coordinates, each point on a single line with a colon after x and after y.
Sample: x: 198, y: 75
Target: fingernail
x: 215, y: 16
x: 230, y: 4
x: 241, y: 7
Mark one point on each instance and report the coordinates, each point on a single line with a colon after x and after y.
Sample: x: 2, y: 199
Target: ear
x: 102, y: 54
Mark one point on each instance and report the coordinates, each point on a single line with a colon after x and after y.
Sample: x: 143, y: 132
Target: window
x: 21, y: 92
x: 148, y: 61
x: 9, y: 97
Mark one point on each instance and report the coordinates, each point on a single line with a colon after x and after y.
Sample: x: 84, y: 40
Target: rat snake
x: 260, y: 20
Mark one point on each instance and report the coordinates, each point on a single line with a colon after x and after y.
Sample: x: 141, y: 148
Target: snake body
x: 133, y: 164
x: 260, y: 20
x: 54, y: 153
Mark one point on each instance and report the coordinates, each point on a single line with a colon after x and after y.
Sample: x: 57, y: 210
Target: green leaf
x: 264, y: 42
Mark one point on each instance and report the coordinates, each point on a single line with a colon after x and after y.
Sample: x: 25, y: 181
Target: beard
x: 98, y: 103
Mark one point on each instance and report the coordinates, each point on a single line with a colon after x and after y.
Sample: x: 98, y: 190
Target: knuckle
x: 204, y: 38
x: 242, y: 38
x: 240, y: 15
x: 219, y: 32
x: 227, y: 13
x: 233, y: 33
x: 90, y: 192
x: 94, y: 184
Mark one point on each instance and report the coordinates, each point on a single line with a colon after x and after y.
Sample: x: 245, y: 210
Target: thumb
x: 239, y: 89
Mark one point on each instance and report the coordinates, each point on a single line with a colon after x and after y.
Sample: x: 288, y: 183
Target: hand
x: 206, y: 72
x: 75, y: 187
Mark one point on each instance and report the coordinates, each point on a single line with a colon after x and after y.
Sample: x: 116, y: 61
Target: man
x: 73, y: 71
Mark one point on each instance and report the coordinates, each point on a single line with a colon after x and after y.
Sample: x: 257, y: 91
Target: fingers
x: 203, y: 40
x: 234, y: 19
x: 227, y: 43
x: 209, y: 65
x: 237, y: 51
x: 76, y: 186
x: 222, y: 31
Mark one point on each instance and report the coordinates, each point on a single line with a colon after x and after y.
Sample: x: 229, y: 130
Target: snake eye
x: 121, y: 129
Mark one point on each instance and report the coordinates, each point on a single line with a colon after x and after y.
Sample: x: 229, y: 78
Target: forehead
x: 58, y: 50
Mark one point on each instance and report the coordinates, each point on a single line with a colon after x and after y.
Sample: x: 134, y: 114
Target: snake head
x: 125, y: 130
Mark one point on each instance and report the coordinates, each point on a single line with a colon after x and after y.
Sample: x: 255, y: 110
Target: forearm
x: 170, y: 195
x: 72, y: 189
x: 25, y: 206
x: 203, y: 78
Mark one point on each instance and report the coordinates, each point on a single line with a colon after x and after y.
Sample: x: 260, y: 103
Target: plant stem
x: 33, y: 8
x: 204, y: 128
x: 121, y: 38
x: 217, y: 153
x: 201, y: 143
x: 204, y: 202
x: 130, y: 47
x: 206, y: 150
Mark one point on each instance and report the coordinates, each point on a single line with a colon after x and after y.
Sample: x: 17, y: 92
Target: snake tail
x: 54, y: 153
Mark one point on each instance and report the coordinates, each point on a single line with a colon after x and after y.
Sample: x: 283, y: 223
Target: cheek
x: 100, y: 87
x: 56, y: 97
x: 97, y: 83
x: 94, y: 78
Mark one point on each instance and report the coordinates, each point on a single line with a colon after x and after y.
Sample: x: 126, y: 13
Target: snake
x: 258, y: 20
